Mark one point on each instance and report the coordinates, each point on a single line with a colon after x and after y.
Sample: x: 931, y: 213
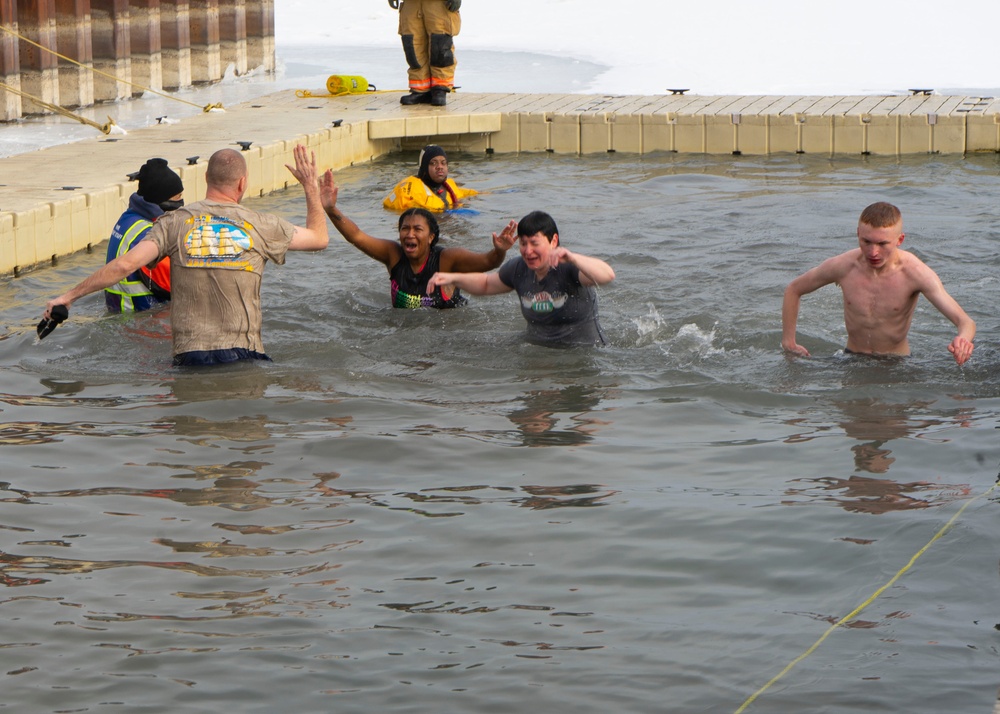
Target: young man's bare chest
x: 888, y: 294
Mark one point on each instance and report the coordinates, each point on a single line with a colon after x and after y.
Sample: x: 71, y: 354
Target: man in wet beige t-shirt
x: 217, y: 250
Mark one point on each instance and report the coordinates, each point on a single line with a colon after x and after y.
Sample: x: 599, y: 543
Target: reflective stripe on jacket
x: 131, y: 294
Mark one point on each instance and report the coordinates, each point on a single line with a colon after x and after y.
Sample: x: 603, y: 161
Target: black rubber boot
x: 439, y: 96
x: 415, y: 98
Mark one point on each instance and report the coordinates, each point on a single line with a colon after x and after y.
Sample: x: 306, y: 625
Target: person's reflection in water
x: 874, y: 423
x: 860, y: 494
x: 570, y: 496
x: 871, y: 457
x: 538, y: 418
x: 234, y: 381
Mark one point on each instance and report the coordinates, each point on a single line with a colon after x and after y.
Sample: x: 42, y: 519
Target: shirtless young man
x: 881, y: 284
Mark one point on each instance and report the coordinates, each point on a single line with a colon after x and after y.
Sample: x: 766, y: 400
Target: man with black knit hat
x: 160, y: 190
x: 430, y: 188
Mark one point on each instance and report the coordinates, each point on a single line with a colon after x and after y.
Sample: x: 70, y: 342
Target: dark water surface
x: 415, y: 511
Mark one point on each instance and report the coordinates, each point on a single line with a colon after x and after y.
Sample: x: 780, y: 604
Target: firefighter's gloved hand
x: 453, y: 5
x: 394, y: 4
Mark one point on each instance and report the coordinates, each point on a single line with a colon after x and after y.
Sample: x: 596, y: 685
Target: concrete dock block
x: 8, y: 256
x: 326, y: 152
x: 564, y: 134
x: 948, y: 135
x: 689, y: 133
x: 387, y: 128
x: 45, y: 234
x: 61, y: 218
x: 79, y: 221
x: 29, y: 247
x: 816, y: 133
x: 533, y: 132
x: 507, y: 139
x: 658, y: 131
x: 284, y: 154
x: 754, y: 133
x: 453, y: 124
x: 421, y: 126
x: 336, y: 152
x: 784, y: 134
x: 315, y: 139
x: 268, y: 166
x: 849, y: 134
x: 720, y: 133
x: 344, y: 143
x: 983, y: 132
x: 485, y: 123
x: 362, y: 148
x: 595, y: 133
x: 627, y: 133
x: 882, y: 135
x: 255, y: 186
x: 193, y: 177
x: 916, y: 133
x: 104, y: 208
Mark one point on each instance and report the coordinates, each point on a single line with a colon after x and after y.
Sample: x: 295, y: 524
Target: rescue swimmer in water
x: 430, y: 188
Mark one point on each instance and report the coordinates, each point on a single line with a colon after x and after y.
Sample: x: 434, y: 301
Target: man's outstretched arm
x: 142, y: 253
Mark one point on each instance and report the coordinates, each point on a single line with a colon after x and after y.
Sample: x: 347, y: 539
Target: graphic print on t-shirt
x: 406, y: 300
x: 543, y: 301
x: 217, y: 242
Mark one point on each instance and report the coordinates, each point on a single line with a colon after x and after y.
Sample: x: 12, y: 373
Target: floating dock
x: 65, y: 199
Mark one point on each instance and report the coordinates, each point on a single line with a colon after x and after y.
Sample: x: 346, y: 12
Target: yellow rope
x: 103, y: 128
x: 206, y: 108
x: 306, y: 94
x: 856, y: 611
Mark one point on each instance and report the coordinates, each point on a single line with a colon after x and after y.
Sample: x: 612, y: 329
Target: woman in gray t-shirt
x: 555, y: 286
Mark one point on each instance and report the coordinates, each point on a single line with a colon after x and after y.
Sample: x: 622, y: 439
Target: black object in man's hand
x: 58, y: 314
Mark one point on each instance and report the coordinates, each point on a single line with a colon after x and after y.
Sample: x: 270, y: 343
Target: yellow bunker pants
x: 427, y: 28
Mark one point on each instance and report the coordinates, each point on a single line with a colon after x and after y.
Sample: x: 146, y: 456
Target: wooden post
x: 76, y: 82
x: 147, y: 57
x: 39, y: 69
x: 206, y: 62
x: 233, y: 36
x: 112, y: 49
x: 175, y: 43
x: 260, y: 35
x: 10, y: 64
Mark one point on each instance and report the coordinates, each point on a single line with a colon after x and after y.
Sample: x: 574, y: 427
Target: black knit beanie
x: 157, y: 183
